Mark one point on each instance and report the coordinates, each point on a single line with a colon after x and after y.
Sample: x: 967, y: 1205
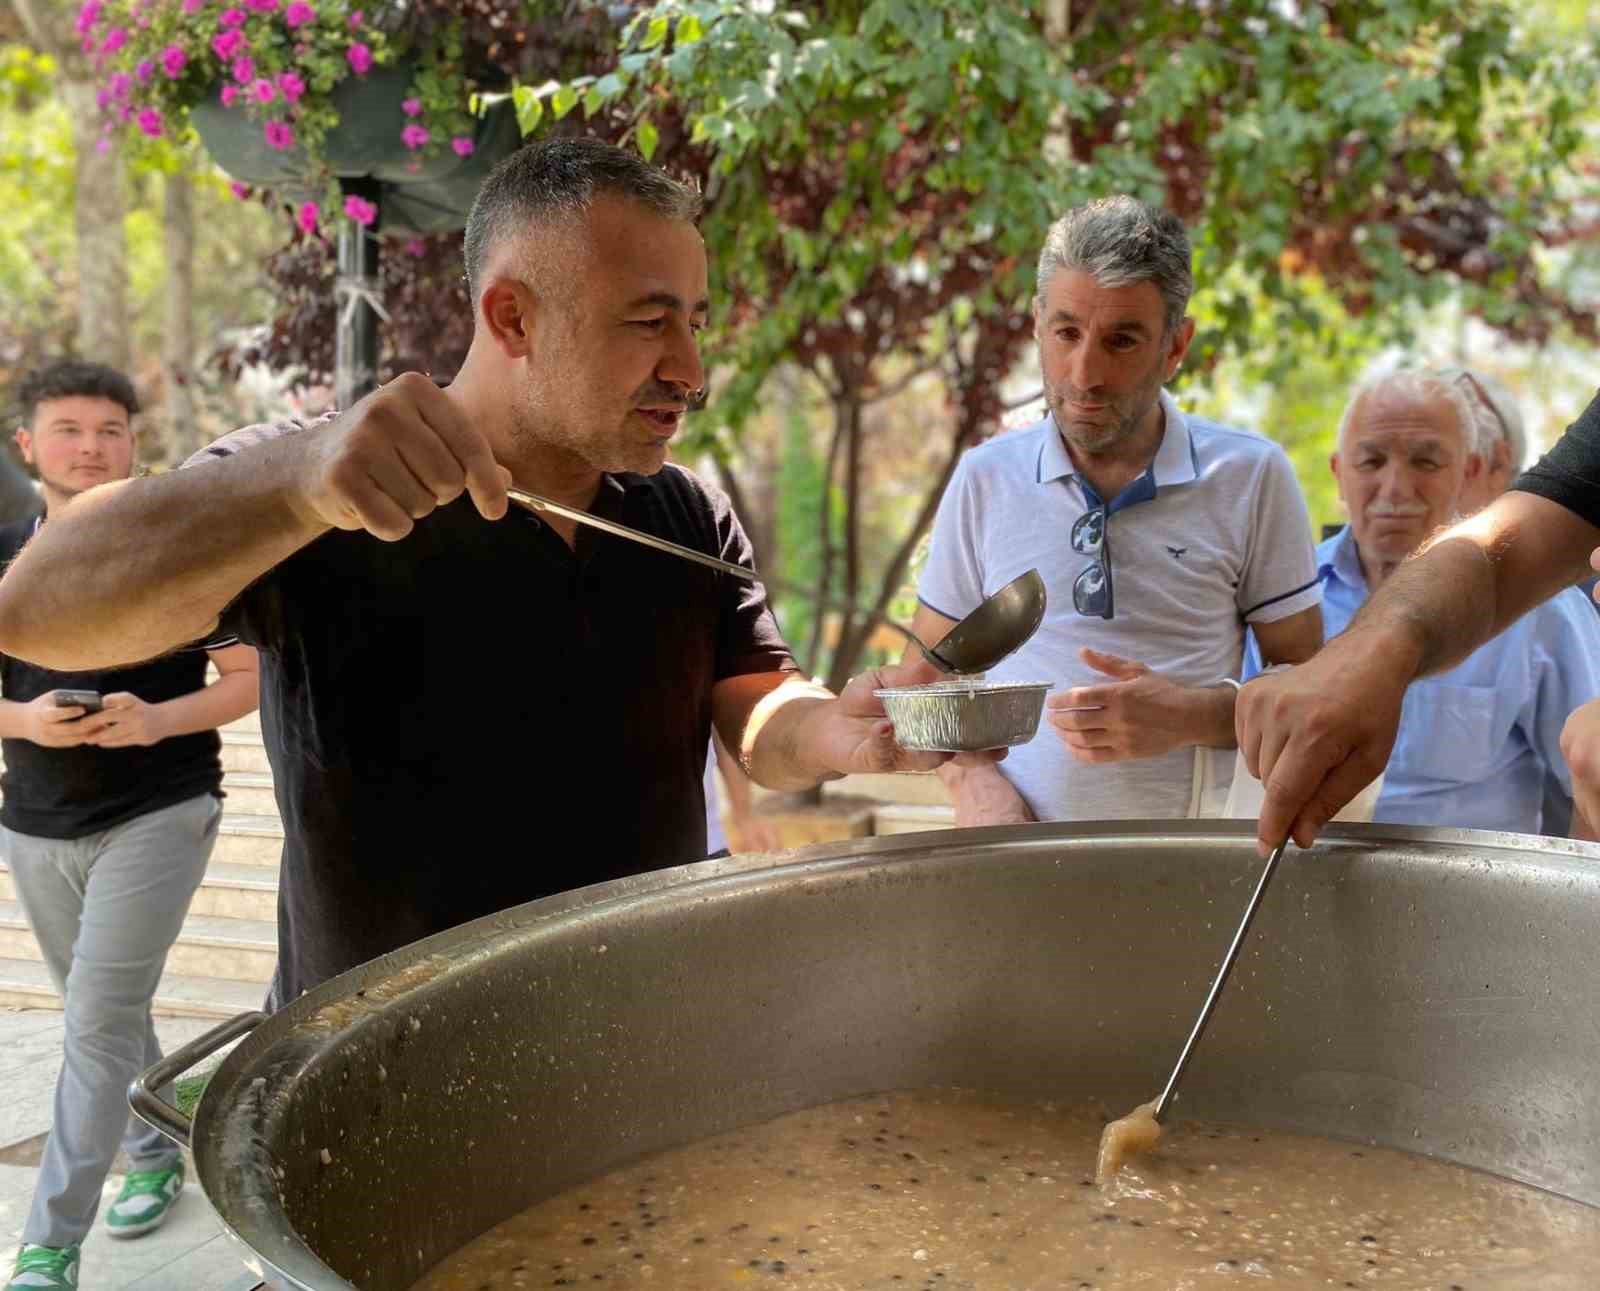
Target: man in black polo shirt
x: 108, y: 820
x: 1318, y: 734
x: 467, y: 709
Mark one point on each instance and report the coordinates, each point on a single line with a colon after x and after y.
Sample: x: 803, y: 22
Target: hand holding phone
x: 88, y: 700
x: 63, y: 719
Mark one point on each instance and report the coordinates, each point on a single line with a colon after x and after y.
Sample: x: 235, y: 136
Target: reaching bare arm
x: 792, y: 734
x: 1318, y: 734
x: 1290, y: 640
x: 132, y: 570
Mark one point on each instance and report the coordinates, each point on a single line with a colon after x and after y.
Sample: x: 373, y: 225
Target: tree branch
x: 40, y: 33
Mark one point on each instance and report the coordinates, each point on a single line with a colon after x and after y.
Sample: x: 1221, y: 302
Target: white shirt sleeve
x: 952, y: 580
x: 1280, y: 570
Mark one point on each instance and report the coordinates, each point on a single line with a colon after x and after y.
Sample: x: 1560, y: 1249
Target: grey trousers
x: 105, y: 909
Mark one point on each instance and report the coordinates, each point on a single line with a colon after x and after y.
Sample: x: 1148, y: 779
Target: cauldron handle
x: 142, y: 1092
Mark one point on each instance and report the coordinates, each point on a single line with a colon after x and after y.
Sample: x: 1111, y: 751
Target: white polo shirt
x: 1214, y: 535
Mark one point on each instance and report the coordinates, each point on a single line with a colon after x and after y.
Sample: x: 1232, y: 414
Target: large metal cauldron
x: 1432, y: 990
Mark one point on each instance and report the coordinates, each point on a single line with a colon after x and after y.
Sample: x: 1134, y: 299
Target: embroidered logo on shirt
x: 1178, y: 553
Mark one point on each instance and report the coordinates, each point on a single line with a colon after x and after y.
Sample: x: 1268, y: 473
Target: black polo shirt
x: 478, y: 715
x: 1569, y: 474
x: 75, y: 792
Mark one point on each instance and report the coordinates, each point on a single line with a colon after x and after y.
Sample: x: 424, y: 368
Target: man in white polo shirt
x: 1160, y: 537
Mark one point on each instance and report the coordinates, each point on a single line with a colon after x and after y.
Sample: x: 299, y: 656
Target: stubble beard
x: 1128, y: 414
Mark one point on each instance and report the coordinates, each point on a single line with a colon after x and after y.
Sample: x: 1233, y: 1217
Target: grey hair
x: 561, y: 178
x: 1120, y: 241
x: 1495, y: 414
x: 1416, y: 385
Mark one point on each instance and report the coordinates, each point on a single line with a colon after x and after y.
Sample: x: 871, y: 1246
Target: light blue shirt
x: 1476, y: 742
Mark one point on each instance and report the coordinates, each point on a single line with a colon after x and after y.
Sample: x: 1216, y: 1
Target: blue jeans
x: 105, y: 909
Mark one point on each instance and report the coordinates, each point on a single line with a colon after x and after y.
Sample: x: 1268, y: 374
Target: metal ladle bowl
x: 992, y: 631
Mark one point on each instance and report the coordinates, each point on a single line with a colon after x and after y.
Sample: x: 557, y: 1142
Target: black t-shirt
x: 478, y: 715
x: 73, y: 792
x: 1569, y: 474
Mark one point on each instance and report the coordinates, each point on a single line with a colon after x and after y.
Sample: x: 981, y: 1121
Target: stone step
x: 241, y: 950
x: 226, y: 892
x: 249, y: 793
x: 246, y: 839
x: 244, y: 751
x: 26, y: 984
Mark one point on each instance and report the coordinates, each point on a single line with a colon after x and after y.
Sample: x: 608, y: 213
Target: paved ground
x: 188, y: 1253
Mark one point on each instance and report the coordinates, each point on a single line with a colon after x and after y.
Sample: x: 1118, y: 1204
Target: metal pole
x: 356, y: 339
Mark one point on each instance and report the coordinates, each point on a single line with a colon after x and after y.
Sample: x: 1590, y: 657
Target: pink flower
x: 262, y: 6
x: 150, y: 122
x: 263, y: 92
x: 356, y: 19
x: 244, y: 69
x: 227, y: 44
x: 360, y: 210
x: 87, y: 17
x: 411, y: 107
x: 298, y: 15
x: 462, y: 145
x: 278, y: 135
x: 230, y: 95
x: 291, y: 86
x: 414, y: 136
x: 359, y: 57
x: 120, y: 84
x: 416, y: 247
x: 102, y: 145
x: 87, y: 44
x: 173, y: 58
x: 241, y: 191
x: 231, y: 18
x: 102, y: 99
x: 306, y: 217
x: 193, y: 6
x: 115, y: 39
x: 145, y: 70
x: 124, y: 113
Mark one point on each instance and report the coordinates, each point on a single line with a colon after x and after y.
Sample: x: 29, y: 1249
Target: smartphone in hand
x: 88, y: 700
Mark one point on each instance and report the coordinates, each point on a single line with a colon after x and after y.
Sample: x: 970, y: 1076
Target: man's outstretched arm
x: 131, y: 570
x: 1320, y: 733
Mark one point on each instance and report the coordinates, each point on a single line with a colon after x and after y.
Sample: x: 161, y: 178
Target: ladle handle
x: 535, y: 502
x: 1228, y: 961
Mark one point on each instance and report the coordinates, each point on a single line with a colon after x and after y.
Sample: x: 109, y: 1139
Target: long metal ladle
x: 1140, y: 1128
x: 986, y: 636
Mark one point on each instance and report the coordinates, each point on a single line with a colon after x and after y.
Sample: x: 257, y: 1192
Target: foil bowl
x: 963, y: 716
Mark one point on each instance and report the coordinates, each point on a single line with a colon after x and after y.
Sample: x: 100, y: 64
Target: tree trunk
x: 177, y: 341
x: 102, y: 241
x: 847, y: 415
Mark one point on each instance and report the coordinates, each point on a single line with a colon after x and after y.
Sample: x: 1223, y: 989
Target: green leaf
x: 530, y: 108
x: 593, y: 100
x: 647, y: 136
x: 563, y: 101
x: 656, y: 33
x: 688, y: 30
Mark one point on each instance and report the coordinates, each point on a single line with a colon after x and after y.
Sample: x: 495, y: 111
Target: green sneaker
x: 145, y: 1201
x: 45, y: 1268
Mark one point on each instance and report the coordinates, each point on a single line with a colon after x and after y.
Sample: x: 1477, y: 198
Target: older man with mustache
x: 1477, y: 743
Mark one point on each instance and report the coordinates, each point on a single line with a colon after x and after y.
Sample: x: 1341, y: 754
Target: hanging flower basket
x: 309, y: 99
